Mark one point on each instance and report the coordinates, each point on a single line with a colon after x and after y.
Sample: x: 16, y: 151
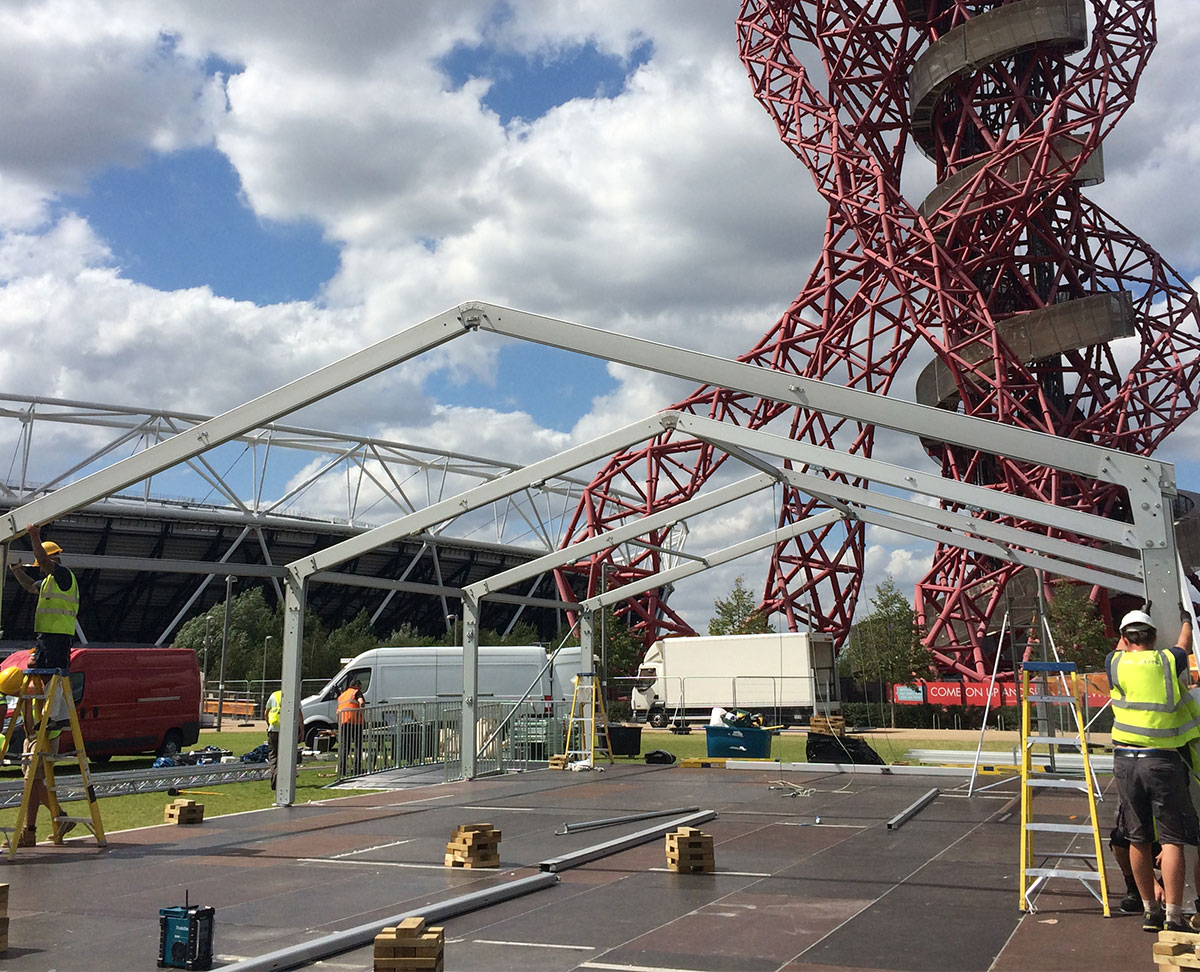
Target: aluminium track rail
x: 123, y: 783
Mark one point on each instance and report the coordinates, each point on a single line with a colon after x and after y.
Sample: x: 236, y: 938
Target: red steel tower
x: 1030, y: 304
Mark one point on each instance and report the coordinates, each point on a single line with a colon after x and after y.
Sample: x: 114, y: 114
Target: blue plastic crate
x: 746, y: 743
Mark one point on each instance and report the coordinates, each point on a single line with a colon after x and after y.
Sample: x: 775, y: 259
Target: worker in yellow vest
x: 1155, y: 721
x: 57, y: 605
x: 274, y: 710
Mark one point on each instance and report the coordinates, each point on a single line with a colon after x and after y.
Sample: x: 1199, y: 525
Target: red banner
x: 974, y: 693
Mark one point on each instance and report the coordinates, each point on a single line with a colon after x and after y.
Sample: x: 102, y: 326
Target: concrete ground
x: 789, y: 892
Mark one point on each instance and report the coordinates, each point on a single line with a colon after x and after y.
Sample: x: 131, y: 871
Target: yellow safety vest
x: 57, y: 609
x: 1150, y: 705
x: 274, y: 707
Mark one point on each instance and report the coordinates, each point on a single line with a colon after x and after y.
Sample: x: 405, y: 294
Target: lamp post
x: 266, y: 644
x: 452, y: 620
x: 204, y: 666
x: 230, y: 580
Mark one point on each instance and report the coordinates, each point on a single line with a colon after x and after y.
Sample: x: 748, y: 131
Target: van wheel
x: 659, y: 719
x: 311, y: 733
x: 171, y: 744
x: 102, y: 758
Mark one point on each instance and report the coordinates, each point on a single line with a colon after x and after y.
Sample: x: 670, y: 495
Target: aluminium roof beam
x: 593, y: 545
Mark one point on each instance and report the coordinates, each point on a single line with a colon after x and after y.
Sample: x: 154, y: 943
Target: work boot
x: 65, y: 827
x: 1131, y: 904
x: 1153, y: 921
x: 28, y: 838
x: 1176, y: 926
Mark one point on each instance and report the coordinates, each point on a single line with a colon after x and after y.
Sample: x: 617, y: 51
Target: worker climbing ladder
x: 587, y: 735
x: 34, y: 708
x: 1036, y: 866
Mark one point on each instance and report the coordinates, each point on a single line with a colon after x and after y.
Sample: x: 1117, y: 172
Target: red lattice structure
x: 1037, y: 307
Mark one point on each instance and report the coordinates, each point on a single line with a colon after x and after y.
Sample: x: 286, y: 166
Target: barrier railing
x: 398, y: 735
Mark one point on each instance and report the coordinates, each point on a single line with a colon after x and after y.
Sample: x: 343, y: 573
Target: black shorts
x: 1155, y: 802
x: 1117, y: 839
x: 53, y: 651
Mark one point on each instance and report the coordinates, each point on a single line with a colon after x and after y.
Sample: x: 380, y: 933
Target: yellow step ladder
x: 1037, y: 868
x: 34, y: 707
x: 587, y: 735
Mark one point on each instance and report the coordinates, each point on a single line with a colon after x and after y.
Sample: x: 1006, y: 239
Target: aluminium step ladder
x: 1037, y: 867
x: 40, y: 688
x: 587, y: 736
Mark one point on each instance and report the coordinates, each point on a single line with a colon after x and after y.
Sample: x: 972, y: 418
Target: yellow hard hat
x: 11, y: 679
x: 51, y: 548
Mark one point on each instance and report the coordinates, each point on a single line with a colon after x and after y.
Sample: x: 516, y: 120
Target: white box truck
x: 783, y: 676
x: 435, y: 674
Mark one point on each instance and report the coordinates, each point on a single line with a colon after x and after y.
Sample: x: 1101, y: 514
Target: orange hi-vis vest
x: 349, y: 708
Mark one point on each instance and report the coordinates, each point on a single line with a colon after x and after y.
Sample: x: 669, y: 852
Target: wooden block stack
x: 3, y: 918
x: 410, y: 945
x: 689, y: 849
x: 474, y: 845
x: 1177, y: 950
x: 184, y: 812
x: 558, y: 762
x: 829, y: 725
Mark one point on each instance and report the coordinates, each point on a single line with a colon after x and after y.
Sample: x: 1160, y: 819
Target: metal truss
x: 1147, y: 486
x: 256, y: 484
x: 125, y: 782
x: 1013, y: 281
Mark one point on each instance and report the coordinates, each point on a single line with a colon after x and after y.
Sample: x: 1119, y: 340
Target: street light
x: 230, y: 580
x: 266, y: 643
x: 452, y: 620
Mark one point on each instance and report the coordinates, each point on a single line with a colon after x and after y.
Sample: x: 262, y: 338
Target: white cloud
x: 669, y: 211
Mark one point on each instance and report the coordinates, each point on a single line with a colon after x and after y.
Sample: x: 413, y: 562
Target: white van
x: 435, y: 674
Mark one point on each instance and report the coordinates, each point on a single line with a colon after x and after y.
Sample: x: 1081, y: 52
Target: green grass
x: 145, y: 809
x: 790, y: 747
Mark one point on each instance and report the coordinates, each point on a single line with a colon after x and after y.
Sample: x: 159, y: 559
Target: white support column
x: 470, y: 684
x: 289, y: 717
x: 587, y: 654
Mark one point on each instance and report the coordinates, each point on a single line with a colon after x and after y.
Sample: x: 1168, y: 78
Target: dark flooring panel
x: 788, y: 893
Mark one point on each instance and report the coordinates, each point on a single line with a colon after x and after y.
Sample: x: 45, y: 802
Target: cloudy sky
x: 202, y: 201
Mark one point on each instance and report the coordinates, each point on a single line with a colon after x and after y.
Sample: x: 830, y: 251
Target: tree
x: 885, y: 646
x: 1078, y: 631
x: 738, y: 613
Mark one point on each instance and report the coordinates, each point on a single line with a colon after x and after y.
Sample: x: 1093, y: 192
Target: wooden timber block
x: 4, y: 934
x: 1177, y: 950
x: 828, y: 725
x: 557, y: 763
x: 689, y: 850
x: 474, y: 845
x: 470, y: 862
x: 184, y: 812
x: 3, y: 899
x: 410, y: 945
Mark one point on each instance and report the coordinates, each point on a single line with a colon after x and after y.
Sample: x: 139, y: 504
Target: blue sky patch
x: 554, y: 387
x: 178, y: 221
x: 528, y: 86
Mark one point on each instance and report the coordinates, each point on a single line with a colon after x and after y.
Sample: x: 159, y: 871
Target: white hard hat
x: 1137, y: 619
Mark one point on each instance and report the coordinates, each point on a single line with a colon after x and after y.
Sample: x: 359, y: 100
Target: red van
x: 132, y: 699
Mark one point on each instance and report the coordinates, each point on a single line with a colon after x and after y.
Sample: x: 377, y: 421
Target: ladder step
x: 1056, y: 828
x: 1054, y: 699
x: 1058, y: 872
x: 1052, y: 740
x: 1048, y: 666
x: 78, y: 820
x: 1057, y: 784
